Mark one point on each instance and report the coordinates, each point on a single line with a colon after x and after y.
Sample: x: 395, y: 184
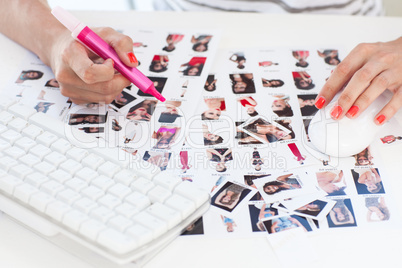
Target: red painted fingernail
x: 132, y: 57
x: 336, y: 112
x: 380, y: 119
x: 353, y: 111
x: 320, y: 102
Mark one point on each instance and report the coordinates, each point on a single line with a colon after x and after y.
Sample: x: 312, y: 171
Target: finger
x: 390, y: 108
x: 378, y: 85
x: 122, y: 44
x: 89, y: 72
x: 340, y: 76
x: 104, y: 92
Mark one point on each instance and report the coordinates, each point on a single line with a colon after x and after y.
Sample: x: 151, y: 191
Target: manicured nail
x: 132, y: 57
x: 336, y: 112
x: 380, y: 119
x: 353, y: 111
x: 320, y: 102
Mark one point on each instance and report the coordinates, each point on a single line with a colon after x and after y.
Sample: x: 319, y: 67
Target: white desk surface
x: 350, y: 248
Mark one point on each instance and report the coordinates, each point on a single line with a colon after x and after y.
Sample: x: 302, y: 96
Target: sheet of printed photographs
x: 152, y: 132
x: 255, y: 158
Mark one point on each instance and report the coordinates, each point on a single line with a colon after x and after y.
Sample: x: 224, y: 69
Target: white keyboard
x: 89, y: 199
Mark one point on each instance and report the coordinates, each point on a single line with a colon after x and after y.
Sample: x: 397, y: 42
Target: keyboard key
x: 85, y: 205
x: 24, y: 191
x: 77, y: 154
x: 109, y: 201
x: 40, y: 200
x: 36, y: 179
x: 17, y: 124
x: 10, y: 136
x: 61, y: 146
x: 166, y: 180
x: 57, y: 209
x: 8, y: 183
x: 6, y: 101
x: 6, y: 117
x: 116, y: 241
x: 25, y: 143
x: 73, y: 219
x: 48, y: 123
x: 120, y: 223
x: 76, y: 184
x: 44, y: 168
x: 32, y: 131
x: 52, y: 187
x: 20, y: 171
x: 187, y: 190
x: 154, y: 224
x: 46, y: 138
x: 139, y: 200
x: 102, y: 214
x: 60, y: 176
x: 108, y: 169
x: 103, y: 182
x: 92, y: 192
x: 140, y: 233
x: 40, y: 151
x: 14, y: 152
x: 71, y: 166
x: 87, y: 174
x: 167, y: 214
x: 126, y: 210
x: 55, y: 158
x: 21, y: 110
x: 68, y: 196
x: 91, y: 229
x: 125, y: 177
x: 7, y: 162
x: 142, y: 185
x: 4, y: 145
x: 119, y: 190
x: 92, y: 161
x: 158, y: 194
x: 182, y: 204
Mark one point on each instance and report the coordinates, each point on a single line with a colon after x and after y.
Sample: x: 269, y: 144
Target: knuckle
x: 103, y: 31
x: 124, y: 41
x: 382, y: 81
x: 366, y: 48
x: 343, y: 68
x: 346, y: 98
x: 365, y: 98
x: 88, y: 76
x: 386, y: 57
x: 364, y: 74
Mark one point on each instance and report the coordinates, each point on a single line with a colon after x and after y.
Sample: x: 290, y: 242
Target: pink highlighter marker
x: 92, y: 41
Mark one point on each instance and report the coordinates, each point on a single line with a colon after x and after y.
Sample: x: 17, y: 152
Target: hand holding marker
x: 92, y: 41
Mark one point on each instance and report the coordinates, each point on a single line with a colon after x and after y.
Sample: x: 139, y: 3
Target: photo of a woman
x: 210, y: 138
x: 303, y: 80
x: 341, y: 214
x: 282, y: 183
x: 29, y: 75
x: 281, y: 107
x: 229, y: 196
x: 268, y: 132
x: 242, y: 83
x: 221, y: 156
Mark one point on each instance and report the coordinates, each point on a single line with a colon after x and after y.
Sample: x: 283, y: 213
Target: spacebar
x: 27, y: 217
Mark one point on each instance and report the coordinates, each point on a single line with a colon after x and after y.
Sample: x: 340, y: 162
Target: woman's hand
x: 367, y: 71
x: 82, y: 79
